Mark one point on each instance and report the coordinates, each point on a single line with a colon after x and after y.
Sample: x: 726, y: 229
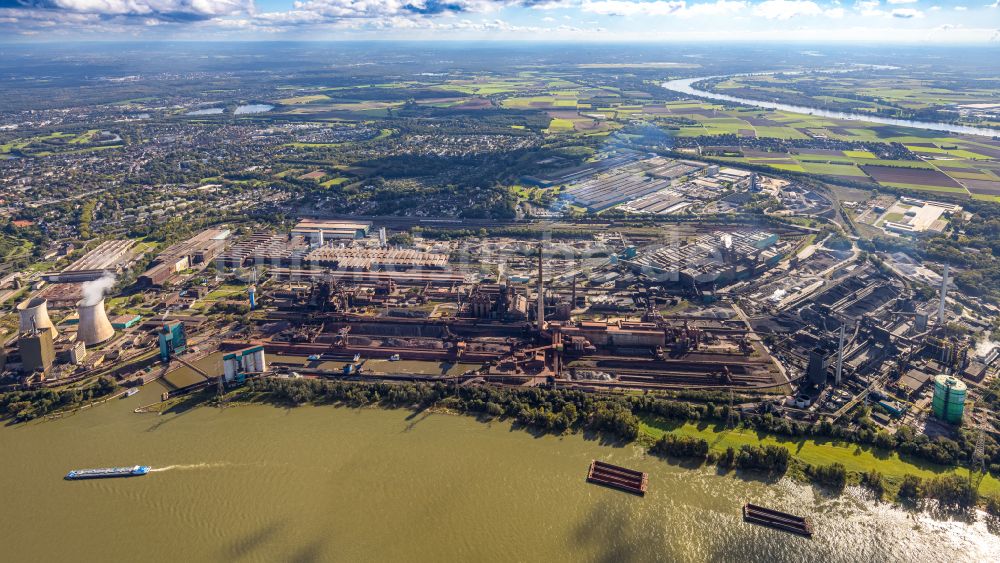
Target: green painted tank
x: 949, y: 398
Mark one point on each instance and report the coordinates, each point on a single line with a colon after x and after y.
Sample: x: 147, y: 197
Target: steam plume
x: 93, y: 291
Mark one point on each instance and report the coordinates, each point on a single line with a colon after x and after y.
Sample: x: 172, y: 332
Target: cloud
x: 176, y: 10
x: 787, y: 9
x: 718, y: 8
x: 628, y: 8
x: 679, y: 8
x: 871, y: 8
x: 648, y: 19
x: 907, y: 13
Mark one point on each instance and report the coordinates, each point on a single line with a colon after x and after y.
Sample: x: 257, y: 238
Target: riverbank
x: 820, y: 460
x: 855, y: 458
x: 324, y: 483
x: 688, y: 87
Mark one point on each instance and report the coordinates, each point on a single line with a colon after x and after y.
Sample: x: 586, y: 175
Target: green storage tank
x: 949, y: 399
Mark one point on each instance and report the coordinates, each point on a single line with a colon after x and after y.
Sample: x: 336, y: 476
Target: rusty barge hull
x: 776, y: 519
x: 616, y: 477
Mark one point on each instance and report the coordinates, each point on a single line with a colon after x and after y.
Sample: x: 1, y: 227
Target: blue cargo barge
x: 106, y: 472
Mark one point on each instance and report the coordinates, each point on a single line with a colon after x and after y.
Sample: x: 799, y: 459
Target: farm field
x: 966, y: 165
x: 885, y: 93
x: 947, y: 163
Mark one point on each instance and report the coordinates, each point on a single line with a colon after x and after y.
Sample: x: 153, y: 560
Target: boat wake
x: 188, y: 466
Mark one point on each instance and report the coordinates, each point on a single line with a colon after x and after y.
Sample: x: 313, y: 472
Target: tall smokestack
x: 944, y: 294
x: 541, y: 293
x: 252, y: 290
x: 840, y: 357
x: 34, y: 315
x: 94, y: 327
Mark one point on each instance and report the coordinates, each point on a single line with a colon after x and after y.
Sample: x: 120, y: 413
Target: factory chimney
x: 94, y: 326
x: 944, y: 294
x: 34, y: 314
x: 541, y: 293
x: 840, y: 357
x: 726, y: 249
x: 252, y: 290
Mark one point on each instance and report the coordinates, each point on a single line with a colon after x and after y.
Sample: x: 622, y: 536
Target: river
x: 260, y: 483
x: 686, y: 86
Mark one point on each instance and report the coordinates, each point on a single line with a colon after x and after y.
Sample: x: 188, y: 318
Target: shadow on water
x: 308, y: 553
x: 604, y: 438
x: 416, y: 416
x: 246, y: 545
x: 184, y: 406
x: 414, y: 420
x: 611, y: 531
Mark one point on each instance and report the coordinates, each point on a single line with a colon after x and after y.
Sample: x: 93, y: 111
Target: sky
x: 893, y: 21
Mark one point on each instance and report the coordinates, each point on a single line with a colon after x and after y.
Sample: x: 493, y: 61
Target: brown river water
x: 262, y: 483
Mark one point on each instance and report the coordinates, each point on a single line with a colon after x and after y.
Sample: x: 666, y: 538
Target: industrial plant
x: 795, y: 321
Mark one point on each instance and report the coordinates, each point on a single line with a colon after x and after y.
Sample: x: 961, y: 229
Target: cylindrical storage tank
x: 949, y: 398
x: 94, y: 326
x: 34, y: 314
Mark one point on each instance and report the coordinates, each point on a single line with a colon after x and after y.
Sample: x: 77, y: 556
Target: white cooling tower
x: 35, y: 314
x: 94, y: 325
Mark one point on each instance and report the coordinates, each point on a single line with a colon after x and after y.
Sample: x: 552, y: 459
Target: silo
x: 94, y: 326
x: 34, y: 314
x: 949, y: 398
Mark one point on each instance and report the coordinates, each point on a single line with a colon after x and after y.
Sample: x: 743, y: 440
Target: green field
x: 859, y: 154
x: 304, y: 99
x: 541, y: 102
x: 560, y: 125
x: 816, y: 452
x: 833, y: 169
x: 334, y: 182
x: 224, y: 291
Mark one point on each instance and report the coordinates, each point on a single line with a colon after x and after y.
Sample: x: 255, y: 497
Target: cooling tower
x: 35, y: 314
x: 94, y: 325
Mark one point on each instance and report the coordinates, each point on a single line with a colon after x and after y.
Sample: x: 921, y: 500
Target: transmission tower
x: 729, y: 413
x: 977, y: 466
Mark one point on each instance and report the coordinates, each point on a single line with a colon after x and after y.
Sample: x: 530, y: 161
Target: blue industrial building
x: 172, y: 340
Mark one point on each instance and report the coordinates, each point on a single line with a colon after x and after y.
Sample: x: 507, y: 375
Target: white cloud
x: 718, y: 8
x: 907, y: 13
x: 170, y: 9
x: 718, y: 19
x: 787, y: 9
x: 871, y: 8
x: 628, y: 8
x: 680, y: 8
